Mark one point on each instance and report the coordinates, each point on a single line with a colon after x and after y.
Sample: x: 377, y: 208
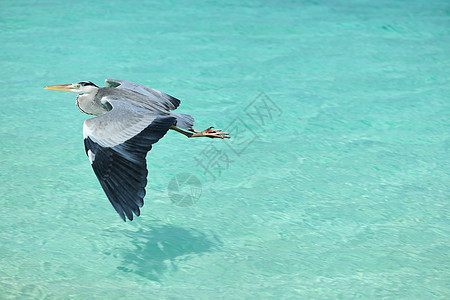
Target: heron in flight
x: 130, y: 118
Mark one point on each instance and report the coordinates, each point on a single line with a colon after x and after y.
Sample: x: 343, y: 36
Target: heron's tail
x: 184, y: 121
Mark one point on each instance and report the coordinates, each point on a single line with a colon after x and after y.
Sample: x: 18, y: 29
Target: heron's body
x: 130, y: 118
x: 91, y: 105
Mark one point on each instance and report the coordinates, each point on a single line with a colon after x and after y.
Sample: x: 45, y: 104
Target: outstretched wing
x: 117, y: 144
x: 171, y: 103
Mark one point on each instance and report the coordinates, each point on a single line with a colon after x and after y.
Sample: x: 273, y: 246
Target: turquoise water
x: 340, y: 191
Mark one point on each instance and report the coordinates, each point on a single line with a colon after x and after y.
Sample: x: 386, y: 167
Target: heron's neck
x: 88, y: 104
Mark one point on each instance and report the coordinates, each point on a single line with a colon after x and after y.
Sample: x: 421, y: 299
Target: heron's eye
x: 78, y: 86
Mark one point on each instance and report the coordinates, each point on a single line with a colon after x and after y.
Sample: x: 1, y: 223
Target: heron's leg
x: 188, y: 134
x: 211, y: 133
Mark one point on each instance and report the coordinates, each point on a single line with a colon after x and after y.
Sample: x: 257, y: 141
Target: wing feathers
x: 121, y: 168
x: 169, y: 102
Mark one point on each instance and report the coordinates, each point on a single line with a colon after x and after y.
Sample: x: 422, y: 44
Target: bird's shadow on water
x: 161, y: 248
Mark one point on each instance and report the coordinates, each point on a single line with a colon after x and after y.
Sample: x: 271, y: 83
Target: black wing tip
x: 174, y: 100
x: 126, y: 211
x: 111, y: 83
x: 130, y: 217
x: 124, y: 215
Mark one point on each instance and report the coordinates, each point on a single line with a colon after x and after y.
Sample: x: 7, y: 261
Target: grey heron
x: 130, y: 118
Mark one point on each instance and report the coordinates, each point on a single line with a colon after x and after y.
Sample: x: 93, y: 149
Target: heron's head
x: 82, y: 87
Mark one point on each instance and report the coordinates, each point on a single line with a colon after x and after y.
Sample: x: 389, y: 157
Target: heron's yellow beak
x: 60, y: 87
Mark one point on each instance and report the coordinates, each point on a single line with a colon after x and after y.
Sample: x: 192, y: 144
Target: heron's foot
x: 211, y: 133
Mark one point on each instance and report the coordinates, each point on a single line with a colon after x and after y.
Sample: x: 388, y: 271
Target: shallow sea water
x: 334, y: 185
